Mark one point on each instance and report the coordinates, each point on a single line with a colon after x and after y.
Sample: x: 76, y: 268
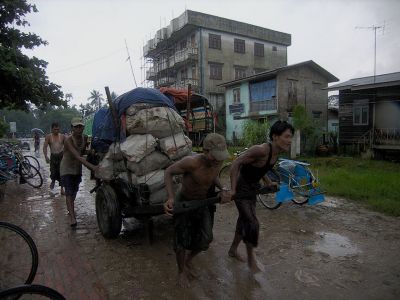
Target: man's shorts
x: 71, y: 184
x: 193, y: 230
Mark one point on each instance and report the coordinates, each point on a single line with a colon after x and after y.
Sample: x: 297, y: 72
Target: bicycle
x: 297, y: 183
x: 19, y: 256
x: 18, y: 268
x: 13, y: 165
x: 19, y: 292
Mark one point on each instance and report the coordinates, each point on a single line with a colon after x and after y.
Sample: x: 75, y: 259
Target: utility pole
x: 374, y: 28
x: 130, y: 63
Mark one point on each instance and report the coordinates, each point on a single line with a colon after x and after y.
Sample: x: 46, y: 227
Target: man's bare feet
x: 191, y: 271
x: 255, y: 266
x: 73, y: 222
x: 234, y: 254
x: 183, y: 280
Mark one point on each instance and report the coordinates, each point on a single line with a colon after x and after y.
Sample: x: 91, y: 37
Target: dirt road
x: 333, y: 250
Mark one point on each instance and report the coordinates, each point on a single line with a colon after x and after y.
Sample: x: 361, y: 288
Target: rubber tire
x: 266, y: 204
x: 108, y: 212
x: 300, y: 200
x: 32, y: 170
x: 32, y: 246
x: 31, y: 158
x: 224, y: 175
x: 31, y: 289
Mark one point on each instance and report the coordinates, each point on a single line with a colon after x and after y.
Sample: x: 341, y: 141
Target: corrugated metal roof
x: 368, y: 82
x: 309, y: 63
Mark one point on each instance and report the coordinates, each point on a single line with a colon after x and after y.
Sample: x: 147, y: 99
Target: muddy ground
x: 333, y: 250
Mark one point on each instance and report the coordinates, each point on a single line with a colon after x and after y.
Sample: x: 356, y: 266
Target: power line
x: 87, y: 62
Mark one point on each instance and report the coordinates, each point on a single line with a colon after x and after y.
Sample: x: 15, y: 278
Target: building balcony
x: 165, y: 81
x: 185, y: 82
x: 150, y: 74
x: 183, y: 55
x: 262, y: 106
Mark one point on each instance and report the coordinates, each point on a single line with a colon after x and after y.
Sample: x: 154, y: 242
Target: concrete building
x: 273, y: 94
x: 205, y: 51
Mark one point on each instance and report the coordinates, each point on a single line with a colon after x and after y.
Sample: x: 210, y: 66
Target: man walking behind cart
x: 55, y: 141
x: 193, y: 230
x: 71, y: 165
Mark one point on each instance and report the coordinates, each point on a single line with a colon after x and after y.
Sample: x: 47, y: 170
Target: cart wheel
x: 108, y: 212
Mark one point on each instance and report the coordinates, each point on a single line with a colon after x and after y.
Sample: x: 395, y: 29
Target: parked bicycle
x: 19, y: 261
x: 14, y: 163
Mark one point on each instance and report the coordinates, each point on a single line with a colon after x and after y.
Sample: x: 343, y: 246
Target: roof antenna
x: 374, y: 28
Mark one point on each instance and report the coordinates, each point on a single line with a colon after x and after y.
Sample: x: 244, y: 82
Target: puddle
x: 330, y: 202
x: 334, y: 244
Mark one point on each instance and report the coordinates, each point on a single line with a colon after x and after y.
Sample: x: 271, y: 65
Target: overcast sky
x: 86, y: 47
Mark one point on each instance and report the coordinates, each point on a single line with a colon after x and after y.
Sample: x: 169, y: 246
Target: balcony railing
x: 266, y: 105
x: 386, y: 136
x: 182, y: 55
x: 150, y: 74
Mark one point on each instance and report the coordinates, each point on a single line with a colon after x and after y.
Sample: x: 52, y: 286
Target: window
x: 240, y: 72
x: 239, y: 46
x: 183, y: 74
x: 316, y: 114
x: 216, y: 71
x: 182, y: 44
x: 214, y: 41
x: 274, y: 48
x: 236, y: 95
x: 258, y: 49
x: 360, y: 115
x: 193, y: 40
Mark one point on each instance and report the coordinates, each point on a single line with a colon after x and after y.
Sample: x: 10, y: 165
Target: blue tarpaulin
x: 103, y: 126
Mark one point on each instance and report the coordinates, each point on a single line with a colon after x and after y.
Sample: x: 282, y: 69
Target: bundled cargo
x: 152, y: 138
x: 157, y: 121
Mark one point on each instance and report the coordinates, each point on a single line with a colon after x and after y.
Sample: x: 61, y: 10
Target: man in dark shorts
x: 55, y: 141
x: 193, y: 230
x: 71, y: 165
x: 246, y: 172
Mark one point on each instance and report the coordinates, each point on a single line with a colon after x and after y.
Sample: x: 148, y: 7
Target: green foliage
x: 23, y: 80
x: 3, y: 128
x: 96, y: 99
x: 375, y: 183
x: 40, y: 119
x: 309, y: 129
x: 255, y: 132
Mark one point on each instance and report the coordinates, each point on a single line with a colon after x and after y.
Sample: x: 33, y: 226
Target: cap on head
x: 77, y: 121
x: 216, y: 144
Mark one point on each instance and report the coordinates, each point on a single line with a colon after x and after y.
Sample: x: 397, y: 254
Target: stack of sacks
x: 155, y: 140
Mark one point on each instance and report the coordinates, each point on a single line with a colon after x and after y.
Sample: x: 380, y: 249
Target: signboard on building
x: 13, y: 127
x: 236, y: 108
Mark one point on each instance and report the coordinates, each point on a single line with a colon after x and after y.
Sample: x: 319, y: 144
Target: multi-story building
x: 205, y: 51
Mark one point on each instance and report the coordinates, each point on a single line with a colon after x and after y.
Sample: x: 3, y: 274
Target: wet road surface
x: 332, y: 250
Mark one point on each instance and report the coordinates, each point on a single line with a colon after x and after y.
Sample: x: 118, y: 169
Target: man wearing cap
x: 71, y: 165
x: 193, y: 230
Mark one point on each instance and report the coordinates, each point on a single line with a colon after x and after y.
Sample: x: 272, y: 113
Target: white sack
x: 161, y: 196
x: 114, y: 152
x: 108, y: 168
x: 124, y: 176
x: 176, y: 146
x: 155, y: 180
x: 137, y: 146
x: 157, y: 121
x: 154, y: 161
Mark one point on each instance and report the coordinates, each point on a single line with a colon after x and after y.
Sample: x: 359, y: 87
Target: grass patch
x: 375, y: 183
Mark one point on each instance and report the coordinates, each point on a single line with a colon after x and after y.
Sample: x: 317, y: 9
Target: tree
x: 255, y: 132
x: 96, y: 99
x: 3, y: 128
x: 23, y: 80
